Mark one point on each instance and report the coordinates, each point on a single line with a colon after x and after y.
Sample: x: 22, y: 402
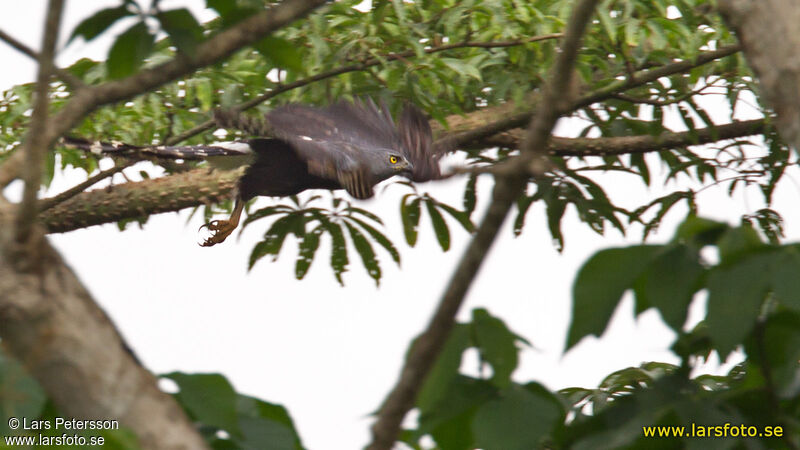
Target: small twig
x: 47, y: 203
x: 67, y: 77
x: 649, y: 75
x: 654, y: 102
x: 36, y: 143
x: 622, y: 145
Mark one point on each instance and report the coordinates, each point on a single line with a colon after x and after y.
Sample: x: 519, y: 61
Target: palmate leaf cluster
x: 455, y: 59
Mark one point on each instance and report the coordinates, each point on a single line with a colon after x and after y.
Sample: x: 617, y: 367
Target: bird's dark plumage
x: 347, y: 145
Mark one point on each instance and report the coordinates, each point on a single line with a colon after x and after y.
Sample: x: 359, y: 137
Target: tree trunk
x: 51, y: 324
x: 768, y: 32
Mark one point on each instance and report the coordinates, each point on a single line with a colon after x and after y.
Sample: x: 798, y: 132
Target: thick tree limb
x: 11, y: 168
x: 767, y: 30
x: 52, y: 325
x: 427, y: 347
x: 35, y: 146
x: 131, y: 200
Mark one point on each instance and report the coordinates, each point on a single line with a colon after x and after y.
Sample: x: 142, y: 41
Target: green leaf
x: 364, y: 249
x: 450, y: 422
x: 462, y: 68
x: 274, y: 238
x: 222, y: 7
x: 205, y: 93
x: 208, y: 398
x: 555, y: 211
x: 233, y: 11
x: 439, y: 225
x: 497, y: 345
x: 444, y: 369
x: 638, y: 161
x: 129, y: 51
x: 380, y: 238
x: 99, y: 22
x: 670, y: 281
x: 409, y: 213
x: 786, y: 277
x: 20, y: 395
x: 738, y: 241
x: 778, y: 348
x: 266, y: 212
x: 339, y: 259
x: 700, y: 231
x: 469, y: 194
x: 735, y: 295
x: 306, y: 250
x: 519, y: 419
x: 523, y: 205
x: 265, y: 425
x: 183, y: 30
x: 365, y: 213
x: 461, y: 216
x: 282, y: 53
x: 600, y: 284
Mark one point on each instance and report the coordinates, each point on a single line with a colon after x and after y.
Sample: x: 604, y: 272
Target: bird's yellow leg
x: 221, y: 229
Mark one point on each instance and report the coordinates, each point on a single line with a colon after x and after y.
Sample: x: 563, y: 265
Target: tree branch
x: 130, y: 200
x: 47, y: 203
x: 767, y: 31
x: 427, y: 347
x: 214, y: 49
x: 210, y: 124
x: 65, y: 76
x: 561, y: 146
x: 186, y: 190
x: 35, y: 146
x: 463, y: 130
x: 11, y: 168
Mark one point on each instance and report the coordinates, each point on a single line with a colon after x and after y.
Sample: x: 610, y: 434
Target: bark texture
x: 130, y: 200
x: 770, y: 39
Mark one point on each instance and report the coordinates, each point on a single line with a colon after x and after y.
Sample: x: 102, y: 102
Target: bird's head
x: 399, y: 163
x: 385, y: 163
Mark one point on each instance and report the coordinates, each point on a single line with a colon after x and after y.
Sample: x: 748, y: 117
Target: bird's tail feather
x: 185, y: 152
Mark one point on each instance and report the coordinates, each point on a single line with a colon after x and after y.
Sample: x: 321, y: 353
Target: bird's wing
x: 417, y: 138
x: 334, y: 140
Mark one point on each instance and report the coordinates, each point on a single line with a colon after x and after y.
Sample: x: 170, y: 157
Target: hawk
x: 347, y: 145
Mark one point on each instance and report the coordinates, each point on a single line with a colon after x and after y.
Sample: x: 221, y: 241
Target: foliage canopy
x: 477, y: 67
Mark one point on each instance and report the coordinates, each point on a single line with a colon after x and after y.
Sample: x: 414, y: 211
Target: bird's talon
x: 220, y: 230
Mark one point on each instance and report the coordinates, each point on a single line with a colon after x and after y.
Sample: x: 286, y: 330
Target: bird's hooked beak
x: 405, y: 168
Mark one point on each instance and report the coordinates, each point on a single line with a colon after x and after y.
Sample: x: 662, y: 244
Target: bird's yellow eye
x: 393, y: 159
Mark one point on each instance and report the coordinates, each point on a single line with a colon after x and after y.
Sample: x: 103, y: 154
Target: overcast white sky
x: 329, y: 353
